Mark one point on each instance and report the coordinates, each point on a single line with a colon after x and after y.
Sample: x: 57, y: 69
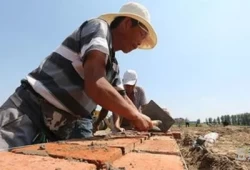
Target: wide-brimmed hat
x: 140, y: 13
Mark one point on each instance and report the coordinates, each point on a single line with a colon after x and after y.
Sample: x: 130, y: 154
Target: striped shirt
x: 60, y: 79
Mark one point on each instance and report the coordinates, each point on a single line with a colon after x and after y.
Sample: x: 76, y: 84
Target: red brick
x: 177, y: 135
x: 162, y: 134
x: 145, y: 133
x: 140, y: 135
x: 126, y: 144
x: 32, y: 150
x: 94, y: 154
x: 10, y: 161
x: 159, y: 146
x: 162, y: 138
x: 149, y: 161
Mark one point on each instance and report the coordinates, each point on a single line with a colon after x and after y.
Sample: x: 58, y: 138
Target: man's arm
x: 94, y: 54
x: 117, y: 84
x: 117, y: 119
x: 100, y: 90
x: 129, y: 101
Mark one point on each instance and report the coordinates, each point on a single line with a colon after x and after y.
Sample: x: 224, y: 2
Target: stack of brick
x: 156, y: 151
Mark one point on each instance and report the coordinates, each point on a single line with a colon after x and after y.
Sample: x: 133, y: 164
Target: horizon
x: 198, y: 69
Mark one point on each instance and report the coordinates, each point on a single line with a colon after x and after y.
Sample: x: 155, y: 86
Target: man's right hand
x: 143, y: 123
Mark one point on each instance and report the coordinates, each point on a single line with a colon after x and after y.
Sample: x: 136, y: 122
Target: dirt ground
x: 222, y: 154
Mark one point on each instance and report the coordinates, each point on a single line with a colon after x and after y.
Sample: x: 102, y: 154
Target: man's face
x: 129, y: 88
x: 132, y: 36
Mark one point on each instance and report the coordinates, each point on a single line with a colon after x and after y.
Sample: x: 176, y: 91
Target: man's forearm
x: 129, y: 101
x: 105, y: 95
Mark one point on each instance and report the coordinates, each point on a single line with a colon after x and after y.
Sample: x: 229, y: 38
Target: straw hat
x: 140, y: 13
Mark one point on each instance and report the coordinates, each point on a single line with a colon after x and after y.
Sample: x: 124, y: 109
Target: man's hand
x: 143, y: 123
x: 119, y: 129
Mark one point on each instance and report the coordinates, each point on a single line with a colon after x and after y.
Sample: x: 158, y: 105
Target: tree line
x: 238, y: 119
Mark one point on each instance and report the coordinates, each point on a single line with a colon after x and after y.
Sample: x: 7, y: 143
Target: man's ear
x: 127, y: 23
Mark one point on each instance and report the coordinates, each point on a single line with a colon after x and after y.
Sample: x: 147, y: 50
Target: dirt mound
x: 206, y: 160
x: 221, y: 155
x: 188, y: 139
x: 245, y: 129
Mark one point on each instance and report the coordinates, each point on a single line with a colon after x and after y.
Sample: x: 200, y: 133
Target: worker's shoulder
x: 95, y: 26
x: 140, y: 89
x: 96, y: 22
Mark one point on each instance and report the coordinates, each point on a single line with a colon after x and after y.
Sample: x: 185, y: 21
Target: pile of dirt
x: 221, y: 155
x: 204, y: 159
x: 188, y: 139
x: 245, y: 129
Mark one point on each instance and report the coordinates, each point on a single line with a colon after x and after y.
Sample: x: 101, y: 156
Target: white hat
x: 129, y: 77
x: 140, y: 13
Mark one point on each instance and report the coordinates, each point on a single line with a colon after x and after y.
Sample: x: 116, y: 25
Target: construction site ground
x: 222, y: 155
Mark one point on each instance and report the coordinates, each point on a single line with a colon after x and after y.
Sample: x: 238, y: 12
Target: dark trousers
x: 22, y: 119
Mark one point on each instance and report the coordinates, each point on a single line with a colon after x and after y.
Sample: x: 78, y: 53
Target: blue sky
x: 200, y: 67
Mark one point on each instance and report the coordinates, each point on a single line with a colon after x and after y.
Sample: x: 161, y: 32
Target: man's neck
x: 131, y: 93
x: 115, y: 40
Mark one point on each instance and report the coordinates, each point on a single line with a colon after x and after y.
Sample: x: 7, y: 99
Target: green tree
x: 218, y: 120
x: 210, y: 120
x: 238, y: 119
x: 247, y: 119
x: 229, y: 119
x: 222, y: 118
x: 234, y: 119
x: 214, y: 121
x: 243, y: 119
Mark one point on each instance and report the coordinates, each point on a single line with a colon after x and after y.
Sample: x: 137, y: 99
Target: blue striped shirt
x: 60, y: 79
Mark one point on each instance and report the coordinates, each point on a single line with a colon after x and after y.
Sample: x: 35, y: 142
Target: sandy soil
x: 222, y: 155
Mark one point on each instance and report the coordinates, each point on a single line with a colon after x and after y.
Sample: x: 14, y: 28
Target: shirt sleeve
x: 94, y: 35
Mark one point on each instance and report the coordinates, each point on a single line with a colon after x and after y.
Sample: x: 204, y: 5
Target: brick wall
x: 142, y: 151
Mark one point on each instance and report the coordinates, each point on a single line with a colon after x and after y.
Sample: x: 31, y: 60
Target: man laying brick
x: 135, y: 93
x: 76, y: 77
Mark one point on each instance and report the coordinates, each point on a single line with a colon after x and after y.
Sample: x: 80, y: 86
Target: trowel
x: 155, y: 112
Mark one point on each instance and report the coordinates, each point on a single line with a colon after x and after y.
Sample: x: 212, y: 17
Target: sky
x: 199, y: 68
